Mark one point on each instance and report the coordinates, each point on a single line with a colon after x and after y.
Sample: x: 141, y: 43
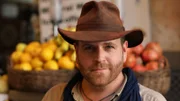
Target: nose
x: 100, y: 55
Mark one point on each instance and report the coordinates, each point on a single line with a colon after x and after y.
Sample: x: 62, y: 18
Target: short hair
x: 122, y: 40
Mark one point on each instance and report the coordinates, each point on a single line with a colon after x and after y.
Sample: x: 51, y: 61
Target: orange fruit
x: 66, y: 63
x: 25, y: 57
x: 31, y: 47
x: 15, y: 56
x: 52, y: 46
x: 36, y: 62
x: 36, y: 52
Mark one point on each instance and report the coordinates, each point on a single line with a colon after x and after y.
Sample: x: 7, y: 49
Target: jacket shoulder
x: 54, y: 93
x: 148, y: 94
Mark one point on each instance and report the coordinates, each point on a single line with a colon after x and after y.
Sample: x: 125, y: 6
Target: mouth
x: 98, y: 70
x: 99, y: 67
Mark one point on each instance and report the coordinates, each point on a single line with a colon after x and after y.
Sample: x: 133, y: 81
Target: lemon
x: 20, y: 47
x: 15, y: 56
x: 25, y: 57
x: 71, y: 47
x: 46, y: 54
x: 66, y: 63
x: 36, y: 62
x: 5, y: 77
x: 25, y: 66
x: 3, y: 86
x: 51, y: 65
x: 73, y: 56
x: 58, y: 40
x: 58, y: 54
x: 64, y: 46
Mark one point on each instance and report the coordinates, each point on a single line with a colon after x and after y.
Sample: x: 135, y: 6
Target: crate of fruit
x: 150, y: 66
x: 39, y: 66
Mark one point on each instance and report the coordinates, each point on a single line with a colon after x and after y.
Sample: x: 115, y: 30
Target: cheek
x: 84, y: 60
x: 117, y: 56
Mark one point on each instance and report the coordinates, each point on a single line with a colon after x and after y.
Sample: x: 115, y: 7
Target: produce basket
x: 158, y: 80
x: 37, y: 81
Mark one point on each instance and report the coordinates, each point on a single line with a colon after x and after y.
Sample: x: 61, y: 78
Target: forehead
x: 114, y: 41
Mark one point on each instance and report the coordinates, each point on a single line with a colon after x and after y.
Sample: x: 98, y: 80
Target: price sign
x: 46, y: 26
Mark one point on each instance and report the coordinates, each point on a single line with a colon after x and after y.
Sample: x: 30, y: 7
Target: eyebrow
x: 110, y: 43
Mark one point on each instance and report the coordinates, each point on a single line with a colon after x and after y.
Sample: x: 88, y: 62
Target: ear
x: 125, y: 47
x: 76, y: 47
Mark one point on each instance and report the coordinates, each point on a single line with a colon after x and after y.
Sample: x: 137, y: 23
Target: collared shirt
x: 77, y: 95
x: 56, y: 93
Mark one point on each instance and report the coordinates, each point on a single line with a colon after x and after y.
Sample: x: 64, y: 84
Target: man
x: 101, y: 44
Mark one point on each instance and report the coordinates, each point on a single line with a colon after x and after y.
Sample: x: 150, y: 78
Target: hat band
x: 101, y: 27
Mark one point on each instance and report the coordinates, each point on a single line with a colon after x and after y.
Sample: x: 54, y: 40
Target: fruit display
x: 4, y: 84
x: 54, y: 54
x: 145, y: 58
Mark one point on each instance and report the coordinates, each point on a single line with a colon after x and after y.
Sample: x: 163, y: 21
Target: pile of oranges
x: 54, y: 54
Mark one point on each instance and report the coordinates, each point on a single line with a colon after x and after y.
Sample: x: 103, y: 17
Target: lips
x: 98, y: 69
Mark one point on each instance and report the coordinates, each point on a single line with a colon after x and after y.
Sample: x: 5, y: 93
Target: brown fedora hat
x: 100, y: 21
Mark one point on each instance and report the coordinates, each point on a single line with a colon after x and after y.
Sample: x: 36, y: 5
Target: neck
x: 98, y: 92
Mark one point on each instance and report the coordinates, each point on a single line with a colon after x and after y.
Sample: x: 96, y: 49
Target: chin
x: 99, y: 81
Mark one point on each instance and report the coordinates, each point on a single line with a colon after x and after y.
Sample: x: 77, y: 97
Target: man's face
x: 101, y: 62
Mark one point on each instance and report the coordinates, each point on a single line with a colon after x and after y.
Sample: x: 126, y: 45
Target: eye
x: 109, y: 46
x: 88, y: 48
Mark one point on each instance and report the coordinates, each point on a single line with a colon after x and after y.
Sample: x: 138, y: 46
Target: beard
x: 109, y: 72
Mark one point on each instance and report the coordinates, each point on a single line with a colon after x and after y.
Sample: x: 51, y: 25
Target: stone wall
x: 165, y: 23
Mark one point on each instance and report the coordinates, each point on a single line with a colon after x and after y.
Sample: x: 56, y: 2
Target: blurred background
x: 37, y: 20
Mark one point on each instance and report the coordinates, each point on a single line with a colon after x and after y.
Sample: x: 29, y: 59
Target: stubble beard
x: 101, y: 79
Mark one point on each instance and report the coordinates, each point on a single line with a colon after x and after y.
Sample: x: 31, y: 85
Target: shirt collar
x: 78, y: 96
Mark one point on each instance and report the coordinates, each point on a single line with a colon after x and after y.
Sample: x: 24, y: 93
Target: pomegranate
x: 152, y: 65
x: 155, y: 46
x: 130, y: 61
x: 139, y: 68
x: 150, y: 55
x: 138, y: 49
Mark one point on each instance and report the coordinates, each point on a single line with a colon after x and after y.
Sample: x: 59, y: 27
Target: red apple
x: 130, y: 61
x: 155, y: 46
x: 129, y: 50
x: 139, y: 68
x: 150, y: 55
x: 152, y: 65
x: 138, y: 49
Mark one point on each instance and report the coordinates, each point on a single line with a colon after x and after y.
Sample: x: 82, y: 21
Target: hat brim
x: 134, y: 37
